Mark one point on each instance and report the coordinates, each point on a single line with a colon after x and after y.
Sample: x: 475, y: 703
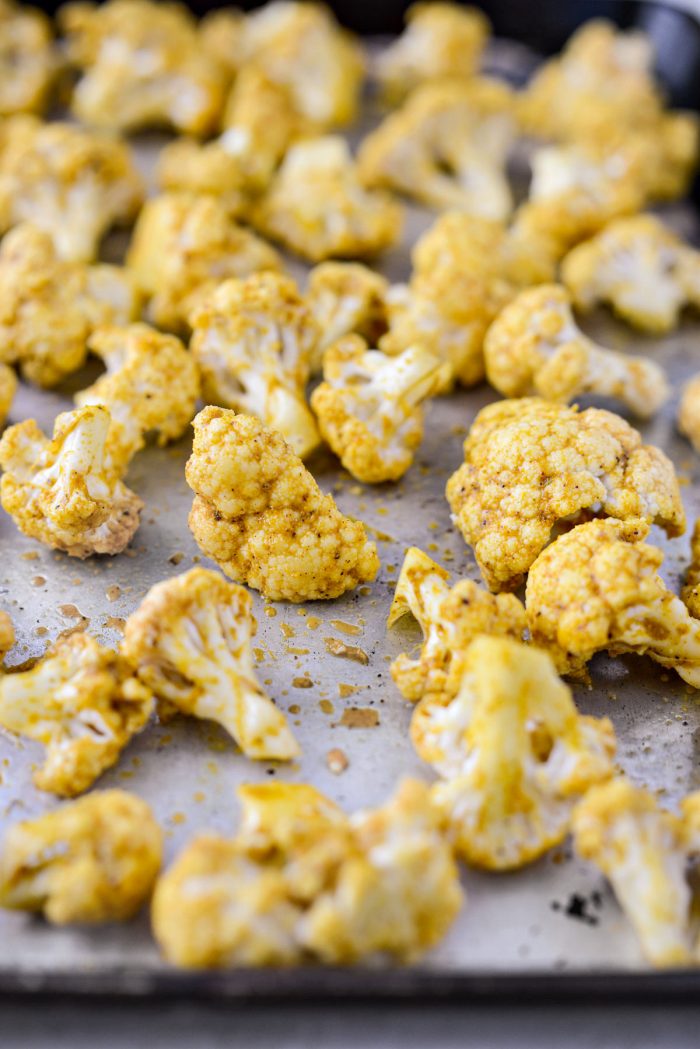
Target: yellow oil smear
x: 313, y: 622
x: 326, y: 706
x: 270, y: 612
x: 297, y: 651
x: 347, y: 690
x: 346, y: 628
x: 287, y: 630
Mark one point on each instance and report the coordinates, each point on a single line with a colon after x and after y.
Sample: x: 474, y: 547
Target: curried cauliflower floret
x: 346, y: 298
x: 189, y: 641
x: 222, y: 34
x: 65, y: 492
x: 254, y: 342
x: 8, y: 389
x: 83, y: 703
x: 530, y: 464
x: 641, y: 268
x: 72, y: 183
x: 597, y: 589
x: 50, y: 306
x: 93, y: 860
x: 27, y: 63
x: 303, y: 882
x: 369, y: 406
x: 143, y: 65
x: 514, y: 753
x: 7, y: 633
x: 183, y: 246
x: 449, y: 618
x: 535, y: 347
x: 317, y: 207
x: 446, y: 147
x: 261, y: 516
x: 690, y: 594
x: 151, y: 386
x: 440, y: 41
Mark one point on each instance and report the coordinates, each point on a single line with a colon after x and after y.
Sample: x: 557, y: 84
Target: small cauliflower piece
x: 183, y: 246
x: 7, y: 633
x: 83, y: 703
x: 317, y: 207
x: 530, y: 464
x: 690, y: 594
x: 65, y: 491
x: 450, y: 617
x: 303, y: 882
x: 254, y: 341
x: 261, y: 516
x: 689, y: 412
x: 189, y: 641
x: 72, y: 183
x: 514, y: 753
x: 346, y: 298
x: 8, y: 389
x: 535, y: 347
x: 369, y: 406
x: 27, y: 63
x: 93, y: 860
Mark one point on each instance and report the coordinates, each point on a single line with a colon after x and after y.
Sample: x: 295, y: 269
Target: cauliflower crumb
x: 690, y: 594
x: 7, y: 633
x: 346, y: 298
x: 8, y: 389
x: 27, y: 63
x: 689, y: 412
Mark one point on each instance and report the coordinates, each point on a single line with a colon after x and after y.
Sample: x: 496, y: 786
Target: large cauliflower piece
x: 8, y: 389
x: 303, y: 882
x: 535, y: 347
x: 143, y: 65
x: 254, y: 341
x: 70, y: 182
x: 530, y: 464
x: 514, y: 752
x: 690, y: 594
x: 190, y: 643
x: 83, y: 703
x: 446, y: 147
x: 261, y: 516
x: 49, y: 306
x: 183, y: 246
x: 450, y: 617
x: 317, y: 207
x: 346, y: 298
x: 65, y: 491
x: 27, y: 62
x: 151, y: 386
x: 369, y: 406
x: 598, y: 589
x: 93, y: 860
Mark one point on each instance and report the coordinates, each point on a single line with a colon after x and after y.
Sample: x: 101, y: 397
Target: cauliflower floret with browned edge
x: 73, y: 183
x: 261, y: 516
x: 450, y: 617
x: 83, y: 703
x: 92, y: 860
x: 530, y: 464
x: 535, y: 347
x: 183, y: 246
x: 8, y: 389
x: 690, y: 593
x: 440, y: 41
x: 254, y: 341
x: 369, y: 406
x: 28, y: 65
x: 7, y: 633
x: 446, y: 147
x: 301, y: 881
x: 189, y: 641
x: 641, y: 268
x: 346, y: 298
x: 317, y: 207
x: 50, y: 306
x: 513, y: 752
x: 66, y: 492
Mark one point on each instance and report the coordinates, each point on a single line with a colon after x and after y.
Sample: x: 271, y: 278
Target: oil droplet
x: 259, y: 654
x: 302, y: 682
x: 337, y: 760
x: 178, y: 817
x: 360, y: 717
x: 287, y: 630
x: 326, y: 706
x: 199, y: 796
x: 313, y: 622
x: 347, y: 690
x: 70, y: 612
x: 270, y: 612
x: 346, y: 628
x: 38, y: 580
x: 295, y: 708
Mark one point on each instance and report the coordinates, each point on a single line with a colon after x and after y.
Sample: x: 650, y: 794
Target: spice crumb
x: 336, y: 647
x: 360, y: 717
x: 337, y: 761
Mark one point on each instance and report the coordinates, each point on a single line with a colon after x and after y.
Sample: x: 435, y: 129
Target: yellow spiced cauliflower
x: 346, y: 298
x: 28, y: 65
x: 261, y: 516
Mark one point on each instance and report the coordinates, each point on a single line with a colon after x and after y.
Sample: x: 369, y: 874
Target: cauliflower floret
x: 8, y: 389
x: 151, y: 386
x: 317, y: 207
x: 535, y: 347
x: 93, y: 860
x: 261, y: 516
x: 49, y: 306
x: 254, y: 341
x: 369, y: 406
x: 643, y: 270
x: 440, y: 41
x: 644, y: 851
x: 64, y: 491
x: 346, y: 298
x: 597, y: 589
x: 83, y: 703
x: 530, y: 463
x: 27, y: 63
x: 183, y: 246
x: 72, y: 183
x: 449, y: 618
x: 7, y: 633
x: 143, y: 65
x: 690, y: 594
x: 190, y: 643
x: 514, y: 752
x: 446, y: 147
x: 301, y: 881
